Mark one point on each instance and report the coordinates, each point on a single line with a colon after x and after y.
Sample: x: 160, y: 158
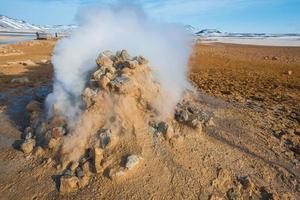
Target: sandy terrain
x: 249, y: 149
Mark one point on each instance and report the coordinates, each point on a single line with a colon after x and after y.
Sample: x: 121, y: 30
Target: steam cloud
x: 166, y: 46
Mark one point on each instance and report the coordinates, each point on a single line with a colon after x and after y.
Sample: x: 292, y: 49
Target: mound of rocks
x: 122, y: 103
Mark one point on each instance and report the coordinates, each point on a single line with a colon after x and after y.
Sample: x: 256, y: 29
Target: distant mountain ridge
x: 8, y: 24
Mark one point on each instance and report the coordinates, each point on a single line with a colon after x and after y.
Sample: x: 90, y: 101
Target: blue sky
x: 270, y: 16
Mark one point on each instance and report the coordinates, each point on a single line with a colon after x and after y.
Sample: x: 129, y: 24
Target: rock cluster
x: 122, y: 101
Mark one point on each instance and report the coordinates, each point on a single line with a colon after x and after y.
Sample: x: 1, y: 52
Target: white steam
x: 166, y: 46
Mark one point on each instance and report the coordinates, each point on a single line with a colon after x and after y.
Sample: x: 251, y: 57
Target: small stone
x: 39, y: 152
x: 170, y: 133
x: 89, y: 96
x: 86, y: 168
x: 28, y: 133
x: 79, y: 172
x: 104, y: 61
x: 33, y: 106
x: 84, y: 181
x: 28, y: 63
x: 21, y: 80
x: 68, y: 173
x: 162, y: 127
x: 58, y: 132
x: 131, y: 64
x: 74, y: 165
x: 116, y: 172
x: 103, y: 82
x: 108, y: 53
x: 176, y: 140
x: 28, y: 146
x: 44, y: 61
x: 106, y: 138
x: 274, y: 58
x: 53, y: 143
x: 68, y: 184
x: 123, y: 55
x: 290, y: 72
x: 97, y: 75
x: 132, y: 161
x: 141, y: 60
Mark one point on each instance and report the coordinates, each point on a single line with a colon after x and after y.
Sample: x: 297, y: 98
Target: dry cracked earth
x: 248, y: 149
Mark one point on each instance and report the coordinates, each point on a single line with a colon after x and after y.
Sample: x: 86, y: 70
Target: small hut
x: 43, y: 36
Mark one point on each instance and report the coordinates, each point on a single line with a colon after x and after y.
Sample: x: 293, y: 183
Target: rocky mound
x: 123, y: 111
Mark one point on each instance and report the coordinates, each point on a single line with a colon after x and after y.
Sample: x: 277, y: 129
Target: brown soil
x: 250, y: 148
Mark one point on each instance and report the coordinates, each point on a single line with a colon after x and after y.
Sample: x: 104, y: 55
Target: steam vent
x: 121, y: 128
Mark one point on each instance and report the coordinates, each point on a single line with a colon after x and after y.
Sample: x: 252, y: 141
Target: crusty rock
x: 116, y: 172
x: 28, y: 145
x: 123, y: 55
x: 98, y: 156
x: 132, y: 161
x: 103, y: 82
x: 97, y: 75
x: 88, y: 96
x: 104, y: 61
x: 68, y: 184
x: 132, y: 64
x: 74, y: 165
x: 141, y: 60
x: 53, y: 143
x: 58, y: 132
x: 105, y: 136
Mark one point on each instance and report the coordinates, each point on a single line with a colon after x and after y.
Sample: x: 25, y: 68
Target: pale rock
x: 68, y: 184
x: 123, y: 55
x: 28, y: 145
x: 74, y: 165
x: 86, y: 168
x: 131, y: 64
x: 28, y: 63
x: 103, y: 82
x: 141, y: 60
x: 170, y: 133
x: 132, y: 161
x: 21, y: 80
x: 116, y: 172
x: 53, y: 143
x: 58, y: 132
x: 39, y: 152
x: 28, y: 132
x: 104, y: 61
x: 97, y: 75
x: 89, y: 96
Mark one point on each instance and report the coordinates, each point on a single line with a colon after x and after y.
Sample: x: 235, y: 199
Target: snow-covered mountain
x: 8, y: 24
x: 209, y: 32
x: 190, y: 28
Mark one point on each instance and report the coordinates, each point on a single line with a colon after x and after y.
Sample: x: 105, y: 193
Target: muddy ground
x: 249, y: 150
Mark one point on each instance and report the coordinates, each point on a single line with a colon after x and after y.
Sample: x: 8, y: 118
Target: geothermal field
x: 147, y: 113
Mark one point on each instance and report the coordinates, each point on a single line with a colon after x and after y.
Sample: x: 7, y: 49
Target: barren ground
x: 251, y: 148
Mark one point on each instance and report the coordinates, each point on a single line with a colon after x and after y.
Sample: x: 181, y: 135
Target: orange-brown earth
x: 249, y: 150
